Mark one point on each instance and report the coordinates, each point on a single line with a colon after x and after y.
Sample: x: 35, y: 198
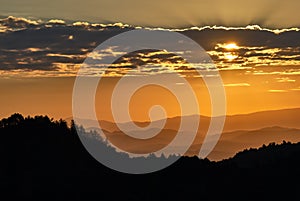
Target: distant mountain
x: 232, y: 142
x: 288, y: 118
x: 240, y: 132
x: 228, y: 145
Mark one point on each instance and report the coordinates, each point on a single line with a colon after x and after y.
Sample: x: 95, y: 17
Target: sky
x: 255, y: 46
x: 157, y: 13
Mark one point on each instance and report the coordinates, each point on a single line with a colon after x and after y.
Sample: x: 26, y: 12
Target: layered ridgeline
x: 40, y: 156
x: 240, y: 132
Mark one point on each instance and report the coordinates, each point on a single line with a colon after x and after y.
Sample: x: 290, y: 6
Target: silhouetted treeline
x: 43, y: 159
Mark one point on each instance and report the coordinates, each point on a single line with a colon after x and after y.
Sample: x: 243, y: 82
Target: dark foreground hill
x: 42, y: 159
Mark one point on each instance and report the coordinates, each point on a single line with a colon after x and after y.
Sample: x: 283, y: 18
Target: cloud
x: 230, y: 28
x: 295, y: 89
x: 255, y: 55
x: 36, y: 45
x: 56, y: 22
x: 237, y: 85
x: 282, y: 72
x: 73, y: 57
x: 84, y: 24
x: 143, y: 62
x: 277, y: 91
x: 12, y: 24
x: 17, y: 23
x: 285, y: 79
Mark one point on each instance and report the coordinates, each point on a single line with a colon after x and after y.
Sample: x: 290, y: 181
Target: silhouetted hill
x: 43, y: 159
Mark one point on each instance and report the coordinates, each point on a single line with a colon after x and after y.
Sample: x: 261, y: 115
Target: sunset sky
x: 167, y: 13
x: 255, y: 45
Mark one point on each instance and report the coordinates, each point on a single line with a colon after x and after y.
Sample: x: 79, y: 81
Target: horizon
x: 228, y: 115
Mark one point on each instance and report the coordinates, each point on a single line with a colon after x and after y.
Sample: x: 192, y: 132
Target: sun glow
x: 230, y: 46
x: 230, y: 57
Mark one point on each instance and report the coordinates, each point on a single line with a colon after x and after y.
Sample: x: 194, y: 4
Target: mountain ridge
x: 251, y: 121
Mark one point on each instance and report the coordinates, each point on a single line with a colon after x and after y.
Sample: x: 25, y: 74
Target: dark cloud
x: 209, y: 38
x: 13, y: 23
x: 54, y: 44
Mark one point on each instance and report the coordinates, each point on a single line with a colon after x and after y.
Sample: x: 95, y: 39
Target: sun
x: 230, y: 46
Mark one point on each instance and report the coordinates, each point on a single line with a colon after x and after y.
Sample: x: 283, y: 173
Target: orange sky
x: 53, y: 96
x: 258, y: 75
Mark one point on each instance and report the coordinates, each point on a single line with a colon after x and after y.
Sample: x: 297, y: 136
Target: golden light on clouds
x: 227, y: 51
x: 237, y: 85
x: 285, y: 79
x: 277, y: 91
x: 229, y: 56
x: 56, y: 21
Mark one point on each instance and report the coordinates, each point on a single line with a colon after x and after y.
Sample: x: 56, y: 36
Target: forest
x: 44, y: 159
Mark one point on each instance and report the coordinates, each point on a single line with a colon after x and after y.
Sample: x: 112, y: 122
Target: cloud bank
x: 57, y: 48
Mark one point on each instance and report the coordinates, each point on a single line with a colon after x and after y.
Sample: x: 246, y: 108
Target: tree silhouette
x: 44, y: 159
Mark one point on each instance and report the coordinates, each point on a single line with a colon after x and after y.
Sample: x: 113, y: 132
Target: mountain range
x: 240, y: 132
